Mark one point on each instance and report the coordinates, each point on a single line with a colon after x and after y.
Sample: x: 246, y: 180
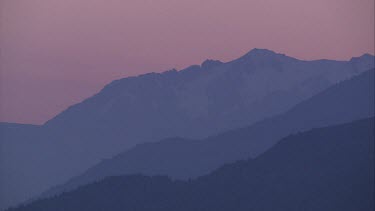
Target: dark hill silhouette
x: 326, y: 169
x: 181, y: 158
x: 193, y: 103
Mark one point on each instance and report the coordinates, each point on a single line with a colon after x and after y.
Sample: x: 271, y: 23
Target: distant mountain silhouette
x: 325, y: 169
x: 193, y: 103
x: 181, y: 158
x: 202, y: 99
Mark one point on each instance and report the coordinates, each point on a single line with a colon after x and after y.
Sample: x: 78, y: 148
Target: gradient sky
x: 55, y: 53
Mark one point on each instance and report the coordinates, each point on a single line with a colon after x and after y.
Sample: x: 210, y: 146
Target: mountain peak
x: 365, y: 61
x: 209, y: 63
x: 261, y: 50
x: 261, y: 54
x: 364, y: 56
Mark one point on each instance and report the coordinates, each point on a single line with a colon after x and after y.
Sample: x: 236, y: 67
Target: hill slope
x: 200, y: 100
x: 328, y: 169
x: 192, y: 103
x: 181, y: 158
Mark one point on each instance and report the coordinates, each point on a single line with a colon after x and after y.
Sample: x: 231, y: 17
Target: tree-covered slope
x: 323, y: 169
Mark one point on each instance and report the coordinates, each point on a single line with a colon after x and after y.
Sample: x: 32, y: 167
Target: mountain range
x: 195, y: 103
x: 185, y: 159
x: 327, y: 169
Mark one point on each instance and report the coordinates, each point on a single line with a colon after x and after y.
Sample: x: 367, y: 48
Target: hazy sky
x: 57, y: 52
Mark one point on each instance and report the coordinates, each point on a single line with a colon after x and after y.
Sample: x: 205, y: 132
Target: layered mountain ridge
x: 326, y: 169
x: 182, y: 158
x: 194, y: 103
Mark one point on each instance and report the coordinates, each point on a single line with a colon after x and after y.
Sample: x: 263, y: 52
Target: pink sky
x: 55, y: 53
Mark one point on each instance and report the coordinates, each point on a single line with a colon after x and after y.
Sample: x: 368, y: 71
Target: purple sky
x: 57, y: 52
